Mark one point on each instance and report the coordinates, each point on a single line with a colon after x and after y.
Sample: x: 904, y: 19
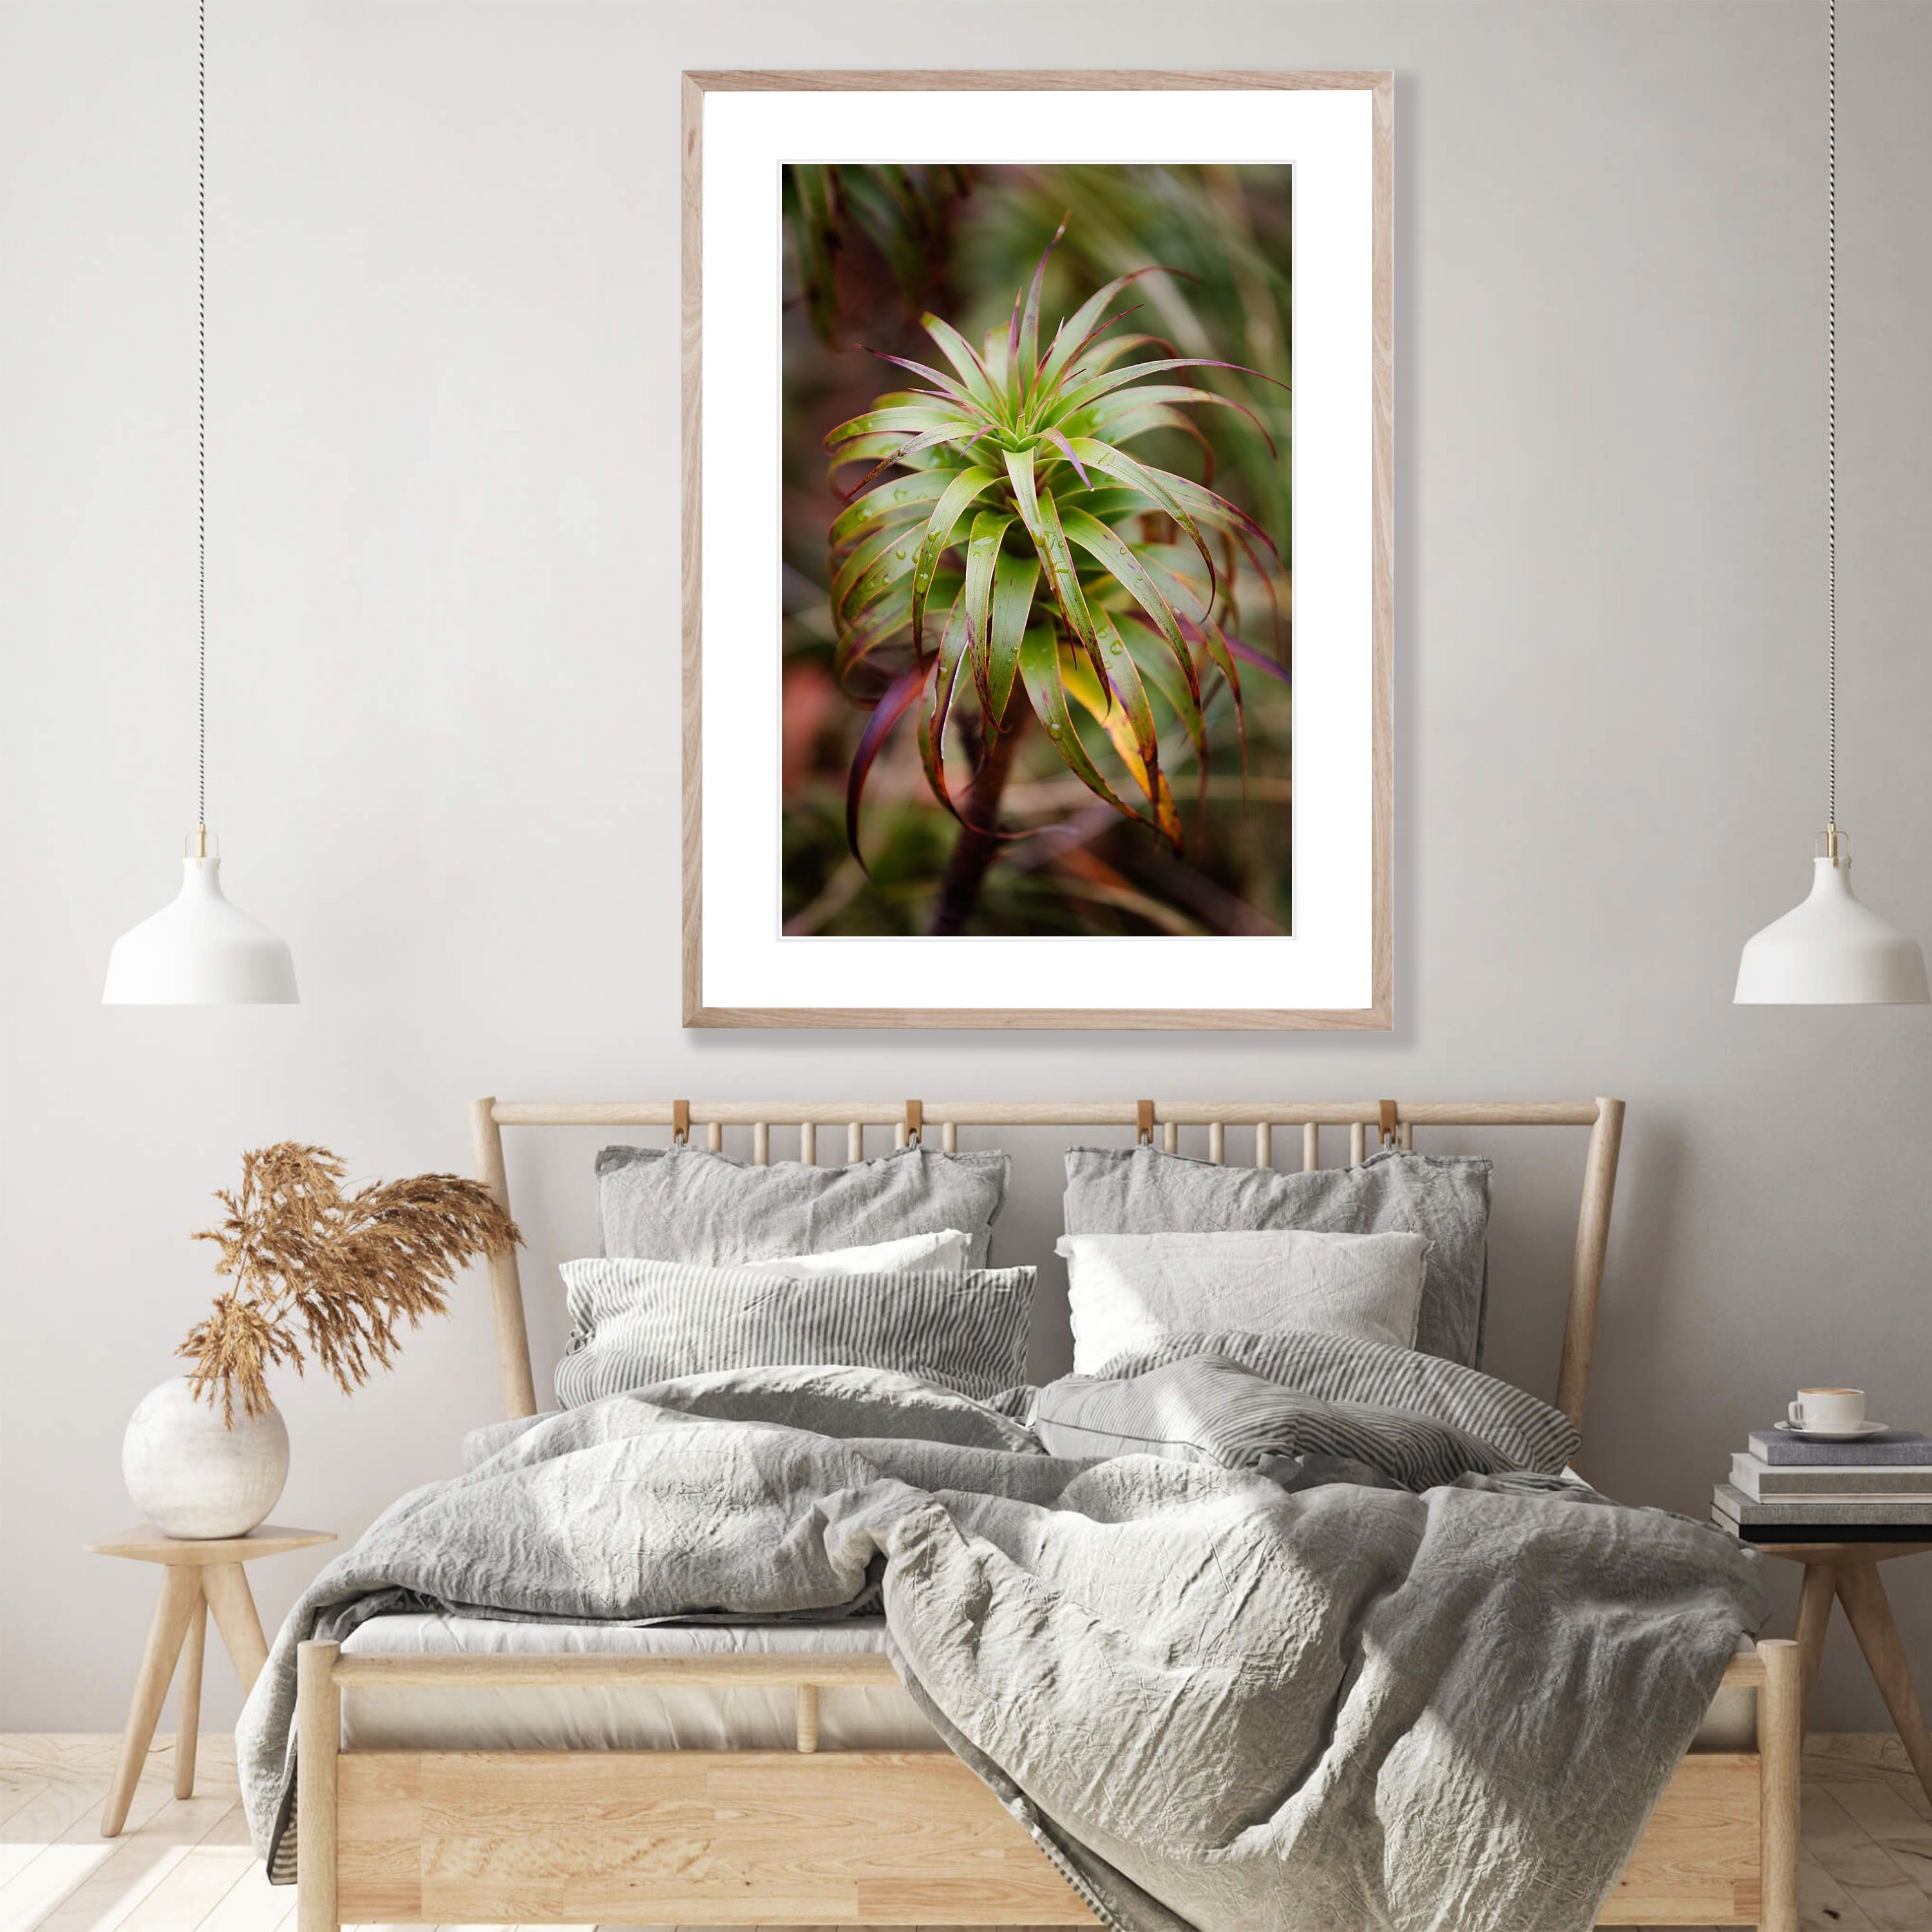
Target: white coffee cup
x: 1831, y: 1410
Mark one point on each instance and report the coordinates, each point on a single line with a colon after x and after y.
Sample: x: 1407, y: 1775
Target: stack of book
x: 1785, y: 1488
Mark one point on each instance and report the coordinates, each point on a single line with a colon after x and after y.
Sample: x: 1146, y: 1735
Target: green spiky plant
x: 1017, y: 541
x: 1227, y: 228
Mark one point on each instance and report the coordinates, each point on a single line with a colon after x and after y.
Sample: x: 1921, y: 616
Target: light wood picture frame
x: 1332, y: 965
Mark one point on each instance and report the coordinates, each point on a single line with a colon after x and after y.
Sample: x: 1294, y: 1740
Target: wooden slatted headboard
x: 1392, y: 1121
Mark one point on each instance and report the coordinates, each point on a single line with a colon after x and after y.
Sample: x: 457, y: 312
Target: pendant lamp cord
x: 201, y: 414
x: 1831, y: 405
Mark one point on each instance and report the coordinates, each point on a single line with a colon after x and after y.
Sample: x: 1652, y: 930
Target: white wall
x: 443, y: 501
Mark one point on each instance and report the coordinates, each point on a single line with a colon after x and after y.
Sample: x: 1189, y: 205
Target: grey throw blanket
x: 1215, y: 1701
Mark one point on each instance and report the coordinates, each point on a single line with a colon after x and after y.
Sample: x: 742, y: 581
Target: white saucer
x: 1853, y: 1435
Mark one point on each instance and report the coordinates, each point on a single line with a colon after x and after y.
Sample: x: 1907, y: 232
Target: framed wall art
x: 1038, y: 584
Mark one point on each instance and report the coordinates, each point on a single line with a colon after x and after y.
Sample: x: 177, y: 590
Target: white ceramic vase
x: 191, y: 1476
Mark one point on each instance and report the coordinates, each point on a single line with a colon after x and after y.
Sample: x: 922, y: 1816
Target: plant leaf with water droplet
x: 982, y: 554
x: 850, y: 592
x: 953, y: 505
x: 1042, y: 522
x: 1151, y: 654
x: 1107, y: 550
x: 1155, y: 486
x: 1040, y: 672
x: 1118, y: 719
x: 1015, y: 580
x: 933, y: 439
x: 1129, y: 694
x: 900, y: 420
x: 899, y: 500
x: 885, y: 620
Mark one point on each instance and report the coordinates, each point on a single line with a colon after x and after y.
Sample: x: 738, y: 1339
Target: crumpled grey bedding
x: 1217, y: 1700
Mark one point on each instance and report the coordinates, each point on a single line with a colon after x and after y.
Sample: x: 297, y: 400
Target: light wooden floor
x: 184, y: 1866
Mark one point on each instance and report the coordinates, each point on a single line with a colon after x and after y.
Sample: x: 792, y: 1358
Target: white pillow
x: 942, y: 1253
x: 1128, y: 1290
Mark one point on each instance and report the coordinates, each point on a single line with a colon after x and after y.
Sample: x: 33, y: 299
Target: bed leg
x: 318, y: 1738
x: 808, y: 1716
x: 1780, y: 1747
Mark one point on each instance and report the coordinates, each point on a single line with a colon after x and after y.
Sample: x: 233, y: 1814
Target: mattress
x: 577, y: 1716
x: 630, y: 1717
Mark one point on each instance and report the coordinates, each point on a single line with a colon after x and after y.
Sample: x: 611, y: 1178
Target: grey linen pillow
x: 1144, y: 1191
x: 1361, y: 1400
x: 633, y: 1323
x: 686, y: 1203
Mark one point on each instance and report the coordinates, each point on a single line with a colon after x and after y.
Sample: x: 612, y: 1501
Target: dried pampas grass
x: 338, y: 1272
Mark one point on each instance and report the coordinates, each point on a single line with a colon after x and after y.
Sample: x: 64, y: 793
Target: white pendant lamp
x: 200, y: 950
x: 1830, y: 950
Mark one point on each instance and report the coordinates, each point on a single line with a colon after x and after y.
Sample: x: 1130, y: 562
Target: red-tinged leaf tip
x: 900, y: 696
x: 1027, y: 343
x: 1262, y: 660
x: 1069, y: 340
x: 1098, y: 329
x: 1039, y: 267
x: 955, y: 393
x: 1066, y: 448
x: 932, y: 440
x: 1109, y: 409
x: 960, y: 353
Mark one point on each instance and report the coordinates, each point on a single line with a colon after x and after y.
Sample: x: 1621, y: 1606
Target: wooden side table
x: 1846, y: 1572
x: 198, y: 1577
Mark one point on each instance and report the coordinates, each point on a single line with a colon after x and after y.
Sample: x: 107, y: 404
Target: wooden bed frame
x: 750, y: 1837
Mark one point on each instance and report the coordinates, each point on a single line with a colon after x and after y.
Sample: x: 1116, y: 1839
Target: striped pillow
x: 1524, y: 1432
x: 1206, y: 1409
x: 636, y: 1322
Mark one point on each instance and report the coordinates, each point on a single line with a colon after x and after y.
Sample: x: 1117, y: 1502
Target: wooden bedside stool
x: 1844, y: 1570
x: 198, y: 1576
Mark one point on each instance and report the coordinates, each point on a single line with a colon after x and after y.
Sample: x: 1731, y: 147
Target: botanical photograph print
x: 1037, y: 524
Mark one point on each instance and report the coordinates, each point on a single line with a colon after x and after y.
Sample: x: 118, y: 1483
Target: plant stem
x: 974, y: 851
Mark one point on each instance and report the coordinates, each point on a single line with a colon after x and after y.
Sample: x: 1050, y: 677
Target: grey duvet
x: 1217, y: 1697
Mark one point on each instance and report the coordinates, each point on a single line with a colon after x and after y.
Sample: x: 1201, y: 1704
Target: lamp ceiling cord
x: 1832, y: 417
x: 201, y: 422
